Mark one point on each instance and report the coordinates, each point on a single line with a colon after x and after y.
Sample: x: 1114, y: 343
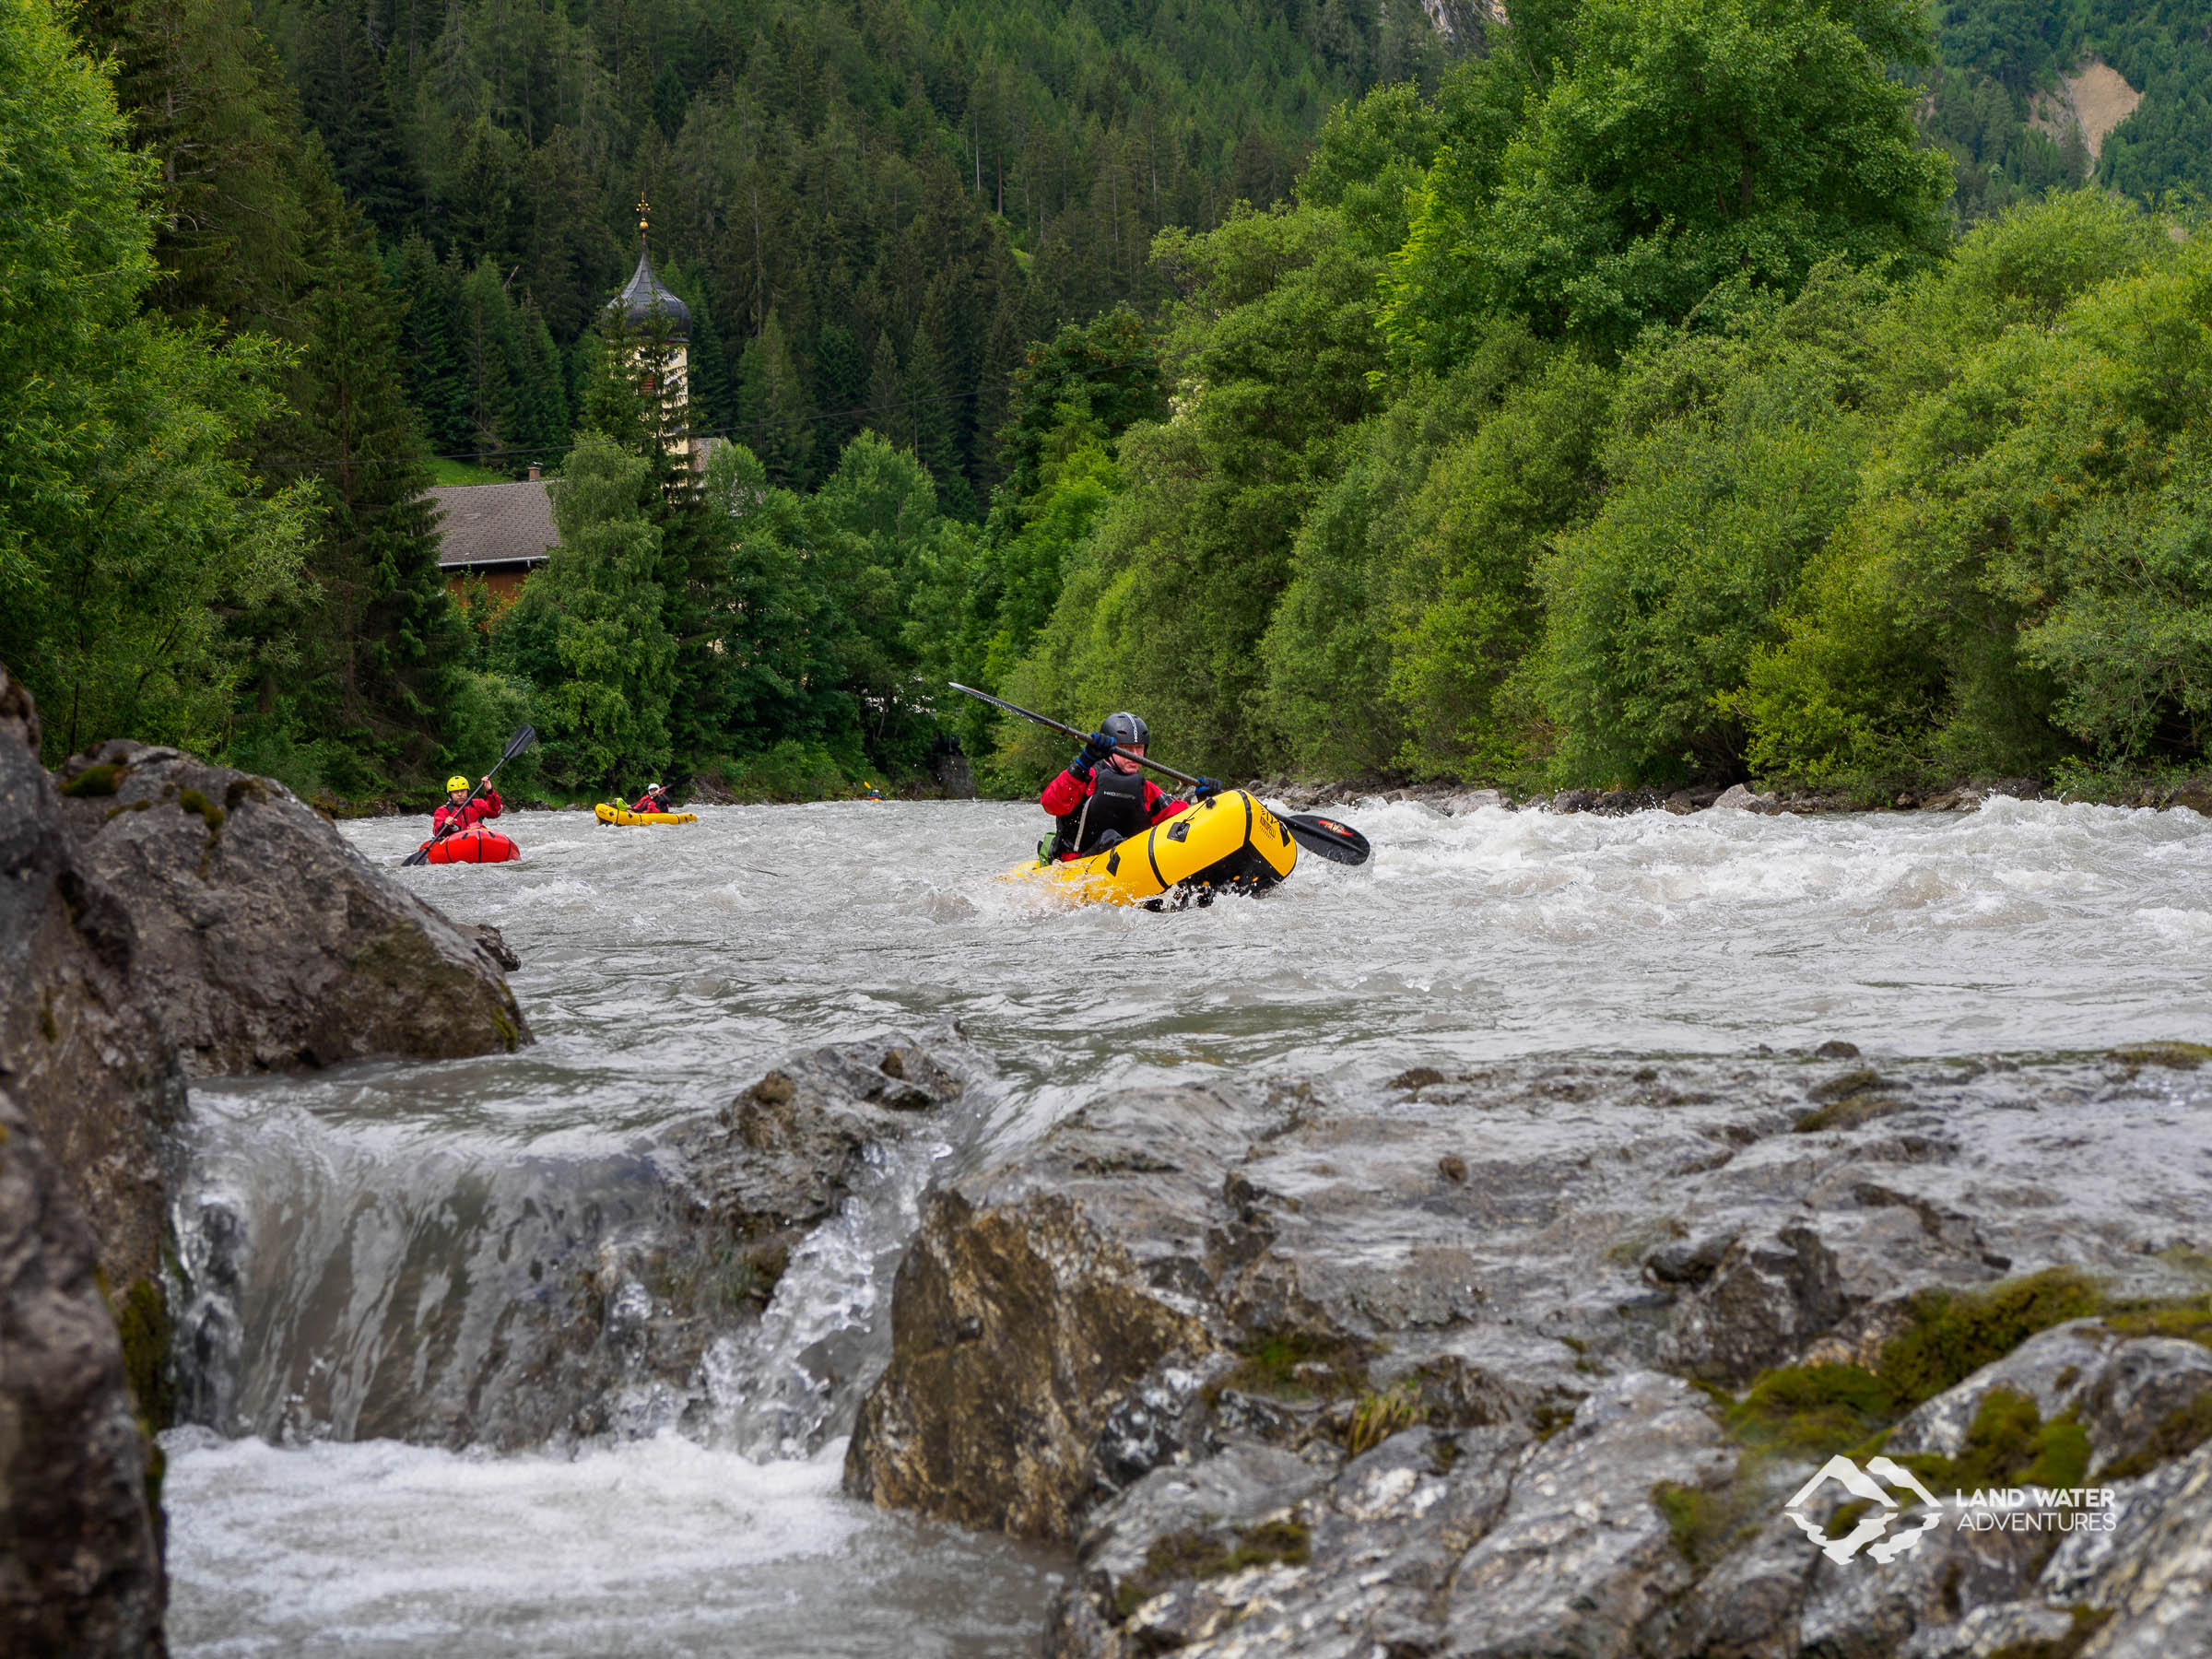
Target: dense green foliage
x: 871, y: 209
x: 1623, y: 461
x: 129, y: 531
x: 1611, y: 397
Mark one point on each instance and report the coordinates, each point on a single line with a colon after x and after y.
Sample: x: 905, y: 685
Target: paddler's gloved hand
x: 1206, y: 788
x: 1096, y: 748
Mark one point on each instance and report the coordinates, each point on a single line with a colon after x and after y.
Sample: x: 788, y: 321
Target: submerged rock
x: 80, y: 1562
x: 265, y: 942
x: 1174, y: 1328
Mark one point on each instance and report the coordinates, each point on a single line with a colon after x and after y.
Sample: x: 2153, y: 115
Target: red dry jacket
x: 1064, y: 796
x: 486, y: 805
x: 647, y: 803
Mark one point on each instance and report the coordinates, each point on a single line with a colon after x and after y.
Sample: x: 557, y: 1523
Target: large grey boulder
x: 80, y: 1564
x: 88, y: 1063
x: 265, y: 942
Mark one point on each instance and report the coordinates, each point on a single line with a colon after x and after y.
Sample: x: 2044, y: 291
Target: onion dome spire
x: 644, y: 297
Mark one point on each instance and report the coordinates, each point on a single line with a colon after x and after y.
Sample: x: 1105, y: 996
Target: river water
x: 352, y: 1234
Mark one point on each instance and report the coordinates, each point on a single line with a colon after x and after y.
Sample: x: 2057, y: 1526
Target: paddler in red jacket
x: 1103, y: 797
x: 458, y: 812
x: 654, y: 799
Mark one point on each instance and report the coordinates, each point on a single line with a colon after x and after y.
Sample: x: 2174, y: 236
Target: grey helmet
x: 1126, y: 730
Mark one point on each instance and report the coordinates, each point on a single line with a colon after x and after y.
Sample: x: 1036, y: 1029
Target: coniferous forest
x: 1630, y: 391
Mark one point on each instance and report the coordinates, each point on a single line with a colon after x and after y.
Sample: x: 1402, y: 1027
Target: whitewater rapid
x: 362, y: 1214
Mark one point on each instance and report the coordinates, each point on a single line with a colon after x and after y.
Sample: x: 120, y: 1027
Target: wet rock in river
x: 265, y: 942
x: 1177, y: 1297
x: 80, y: 1563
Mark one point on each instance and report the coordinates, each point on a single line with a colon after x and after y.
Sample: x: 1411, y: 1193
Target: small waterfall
x: 349, y: 1279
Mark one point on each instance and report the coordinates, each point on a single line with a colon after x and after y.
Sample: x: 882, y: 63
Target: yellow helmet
x: 455, y: 781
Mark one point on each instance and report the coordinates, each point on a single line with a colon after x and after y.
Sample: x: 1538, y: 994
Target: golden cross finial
x: 641, y: 218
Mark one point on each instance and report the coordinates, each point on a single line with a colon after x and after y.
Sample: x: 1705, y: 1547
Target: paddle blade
x: 522, y: 740
x: 1325, y: 836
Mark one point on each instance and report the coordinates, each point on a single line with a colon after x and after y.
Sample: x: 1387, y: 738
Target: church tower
x: 657, y: 326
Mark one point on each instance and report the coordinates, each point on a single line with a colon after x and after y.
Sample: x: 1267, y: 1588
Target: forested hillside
x: 868, y: 207
x: 1627, y: 414
x: 1606, y: 396
x: 1998, y: 99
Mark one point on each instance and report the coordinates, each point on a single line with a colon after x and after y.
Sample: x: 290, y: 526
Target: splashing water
x: 361, y: 1243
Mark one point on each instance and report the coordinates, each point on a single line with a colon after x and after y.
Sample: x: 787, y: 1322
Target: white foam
x: 651, y: 1546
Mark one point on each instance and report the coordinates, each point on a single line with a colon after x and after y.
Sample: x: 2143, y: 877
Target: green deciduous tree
x: 129, y: 530
x: 588, y: 631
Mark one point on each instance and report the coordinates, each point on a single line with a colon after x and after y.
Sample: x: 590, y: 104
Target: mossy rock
x: 1200, y: 1553
x: 2174, y: 1056
x: 142, y: 1321
x: 192, y: 800
x: 2009, y: 1445
x: 1298, y: 1365
x: 1953, y: 1333
x: 101, y: 779
x: 1849, y: 1112
x: 1380, y: 1415
x: 2179, y: 1432
x: 1859, y: 1080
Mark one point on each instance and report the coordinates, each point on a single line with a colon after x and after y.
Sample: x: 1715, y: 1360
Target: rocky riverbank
x: 1455, y: 800
x: 1530, y: 1360
x: 159, y: 919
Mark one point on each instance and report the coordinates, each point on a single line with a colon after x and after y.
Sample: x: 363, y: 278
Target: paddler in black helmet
x: 1104, y: 796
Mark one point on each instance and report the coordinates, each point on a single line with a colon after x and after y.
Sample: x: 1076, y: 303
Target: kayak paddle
x: 1338, y: 842
x: 523, y: 738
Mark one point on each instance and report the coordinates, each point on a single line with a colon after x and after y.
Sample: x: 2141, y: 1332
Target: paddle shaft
x: 1046, y: 720
x: 515, y: 745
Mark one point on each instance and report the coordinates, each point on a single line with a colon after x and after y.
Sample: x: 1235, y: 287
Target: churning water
x: 354, y: 1237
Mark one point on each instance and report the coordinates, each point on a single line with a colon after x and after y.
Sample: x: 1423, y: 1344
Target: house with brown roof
x: 498, y: 531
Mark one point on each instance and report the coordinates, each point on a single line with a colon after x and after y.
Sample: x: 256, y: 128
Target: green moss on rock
x: 1849, y: 1112
x: 2176, y: 1056
x: 1954, y: 1334
x: 100, y: 779
x: 1298, y: 1365
x: 2179, y: 1432
x: 192, y: 800
x: 143, y: 1322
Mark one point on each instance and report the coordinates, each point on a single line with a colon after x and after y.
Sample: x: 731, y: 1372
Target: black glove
x: 1096, y: 748
x: 1206, y: 788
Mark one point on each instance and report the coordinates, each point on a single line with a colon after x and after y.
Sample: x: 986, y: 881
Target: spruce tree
x: 388, y: 638
x: 430, y: 367
x: 885, y: 406
x: 773, y: 413
x: 538, y: 433
x: 342, y: 96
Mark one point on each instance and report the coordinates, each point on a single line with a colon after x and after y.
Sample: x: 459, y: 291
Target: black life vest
x: 1115, y: 809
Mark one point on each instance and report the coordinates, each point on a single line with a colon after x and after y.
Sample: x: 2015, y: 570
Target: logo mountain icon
x: 1861, y: 1484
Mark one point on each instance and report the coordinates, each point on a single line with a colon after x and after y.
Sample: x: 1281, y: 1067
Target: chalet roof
x: 484, y: 524
x: 644, y: 294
